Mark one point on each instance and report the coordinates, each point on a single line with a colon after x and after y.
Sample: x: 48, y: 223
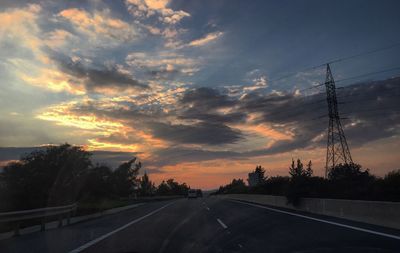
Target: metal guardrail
x: 41, y: 213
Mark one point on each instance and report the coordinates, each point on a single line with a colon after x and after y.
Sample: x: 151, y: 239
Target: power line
x: 372, y: 114
x: 365, y: 99
x: 337, y: 60
x: 349, y: 78
x: 154, y: 99
x: 380, y: 95
x: 367, y: 74
x: 364, y: 53
x: 375, y: 109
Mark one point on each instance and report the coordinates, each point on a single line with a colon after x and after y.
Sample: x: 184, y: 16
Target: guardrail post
x: 16, y: 228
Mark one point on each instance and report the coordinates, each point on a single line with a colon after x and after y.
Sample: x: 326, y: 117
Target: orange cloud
x: 20, y: 26
x: 62, y: 115
x: 98, y: 145
x: 147, y: 8
x: 52, y: 79
x: 270, y: 134
x: 103, y: 132
x: 205, y: 40
x: 99, y: 24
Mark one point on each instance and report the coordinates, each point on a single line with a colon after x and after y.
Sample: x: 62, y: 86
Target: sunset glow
x: 197, y: 95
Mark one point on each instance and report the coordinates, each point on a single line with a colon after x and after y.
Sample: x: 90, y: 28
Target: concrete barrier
x: 380, y: 213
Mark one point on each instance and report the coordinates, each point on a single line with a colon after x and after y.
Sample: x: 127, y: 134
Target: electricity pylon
x: 337, y: 150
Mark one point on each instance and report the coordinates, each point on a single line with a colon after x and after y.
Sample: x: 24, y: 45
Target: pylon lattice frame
x: 337, y: 149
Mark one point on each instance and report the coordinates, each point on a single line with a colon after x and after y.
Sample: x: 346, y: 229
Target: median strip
x: 88, y: 244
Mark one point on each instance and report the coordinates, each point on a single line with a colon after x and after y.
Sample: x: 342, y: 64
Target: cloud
x: 300, y: 119
x: 58, y: 38
x: 209, y: 105
x: 200, y: 133
x: 36, y: 57
x: 96, y: 78
x: 100, y: 27
x: 205, y: 40
x: 206, y: 98
x: 206, y: 124
x: 149, y: 8
x: 19, y: 31
x: 165, y: 64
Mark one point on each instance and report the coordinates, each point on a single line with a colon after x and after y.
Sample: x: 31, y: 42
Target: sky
x: 201, y: 91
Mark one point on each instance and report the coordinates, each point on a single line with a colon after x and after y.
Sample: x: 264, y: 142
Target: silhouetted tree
x: 171, y: 187
x: 300, y: 181
x: 124, y: 178
x: 236, y: 186
x: 348, y: 172
x: 97, y: 184
x: 163, y: 189
x: 390, y: 186
x: 53, y: 176
x: 277, y: 185
x: 309, y: 171
x: 258, y: 175
x: 298, y: 170
x: 350, y: 181
x: 147, y: 187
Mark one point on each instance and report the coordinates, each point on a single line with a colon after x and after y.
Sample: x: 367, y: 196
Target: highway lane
x: 70, y: 237
x: 207, y: 225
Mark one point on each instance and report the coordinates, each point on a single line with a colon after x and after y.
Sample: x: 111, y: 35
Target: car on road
x: 192, y: 193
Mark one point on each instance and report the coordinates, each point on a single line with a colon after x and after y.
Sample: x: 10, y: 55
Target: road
x: 209, y: 225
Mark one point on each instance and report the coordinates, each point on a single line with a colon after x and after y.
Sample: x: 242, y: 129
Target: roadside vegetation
x: 342, y: 182
x: 65, y: 174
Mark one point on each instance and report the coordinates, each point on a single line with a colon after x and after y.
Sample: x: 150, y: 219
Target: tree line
x: 344, y: 181
x: 64, y: 174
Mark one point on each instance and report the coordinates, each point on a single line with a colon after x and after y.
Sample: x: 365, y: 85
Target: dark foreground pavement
x: 208, y: 225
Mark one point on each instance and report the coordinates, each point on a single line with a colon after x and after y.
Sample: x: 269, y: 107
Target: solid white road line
x: 222, y: 224
x: 321, y: 220
x: 88, y: 244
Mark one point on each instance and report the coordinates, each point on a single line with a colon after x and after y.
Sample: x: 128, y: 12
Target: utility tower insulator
x: 337, y: 150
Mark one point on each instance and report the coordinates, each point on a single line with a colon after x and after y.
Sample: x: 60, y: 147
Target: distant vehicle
x: 199, y: 193
x: 192, y: 193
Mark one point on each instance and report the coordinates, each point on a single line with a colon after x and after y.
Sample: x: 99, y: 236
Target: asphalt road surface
x: 209, y: 225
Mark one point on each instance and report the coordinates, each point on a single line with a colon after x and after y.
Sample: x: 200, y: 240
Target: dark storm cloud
x: 207, y: 99
x: 130, y: 112
x: 361, y: 105
x: 203, y: 104
x: 371, y: 109
x: 194, y: 113
x: 96, y: 77
x: 200, y: 133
